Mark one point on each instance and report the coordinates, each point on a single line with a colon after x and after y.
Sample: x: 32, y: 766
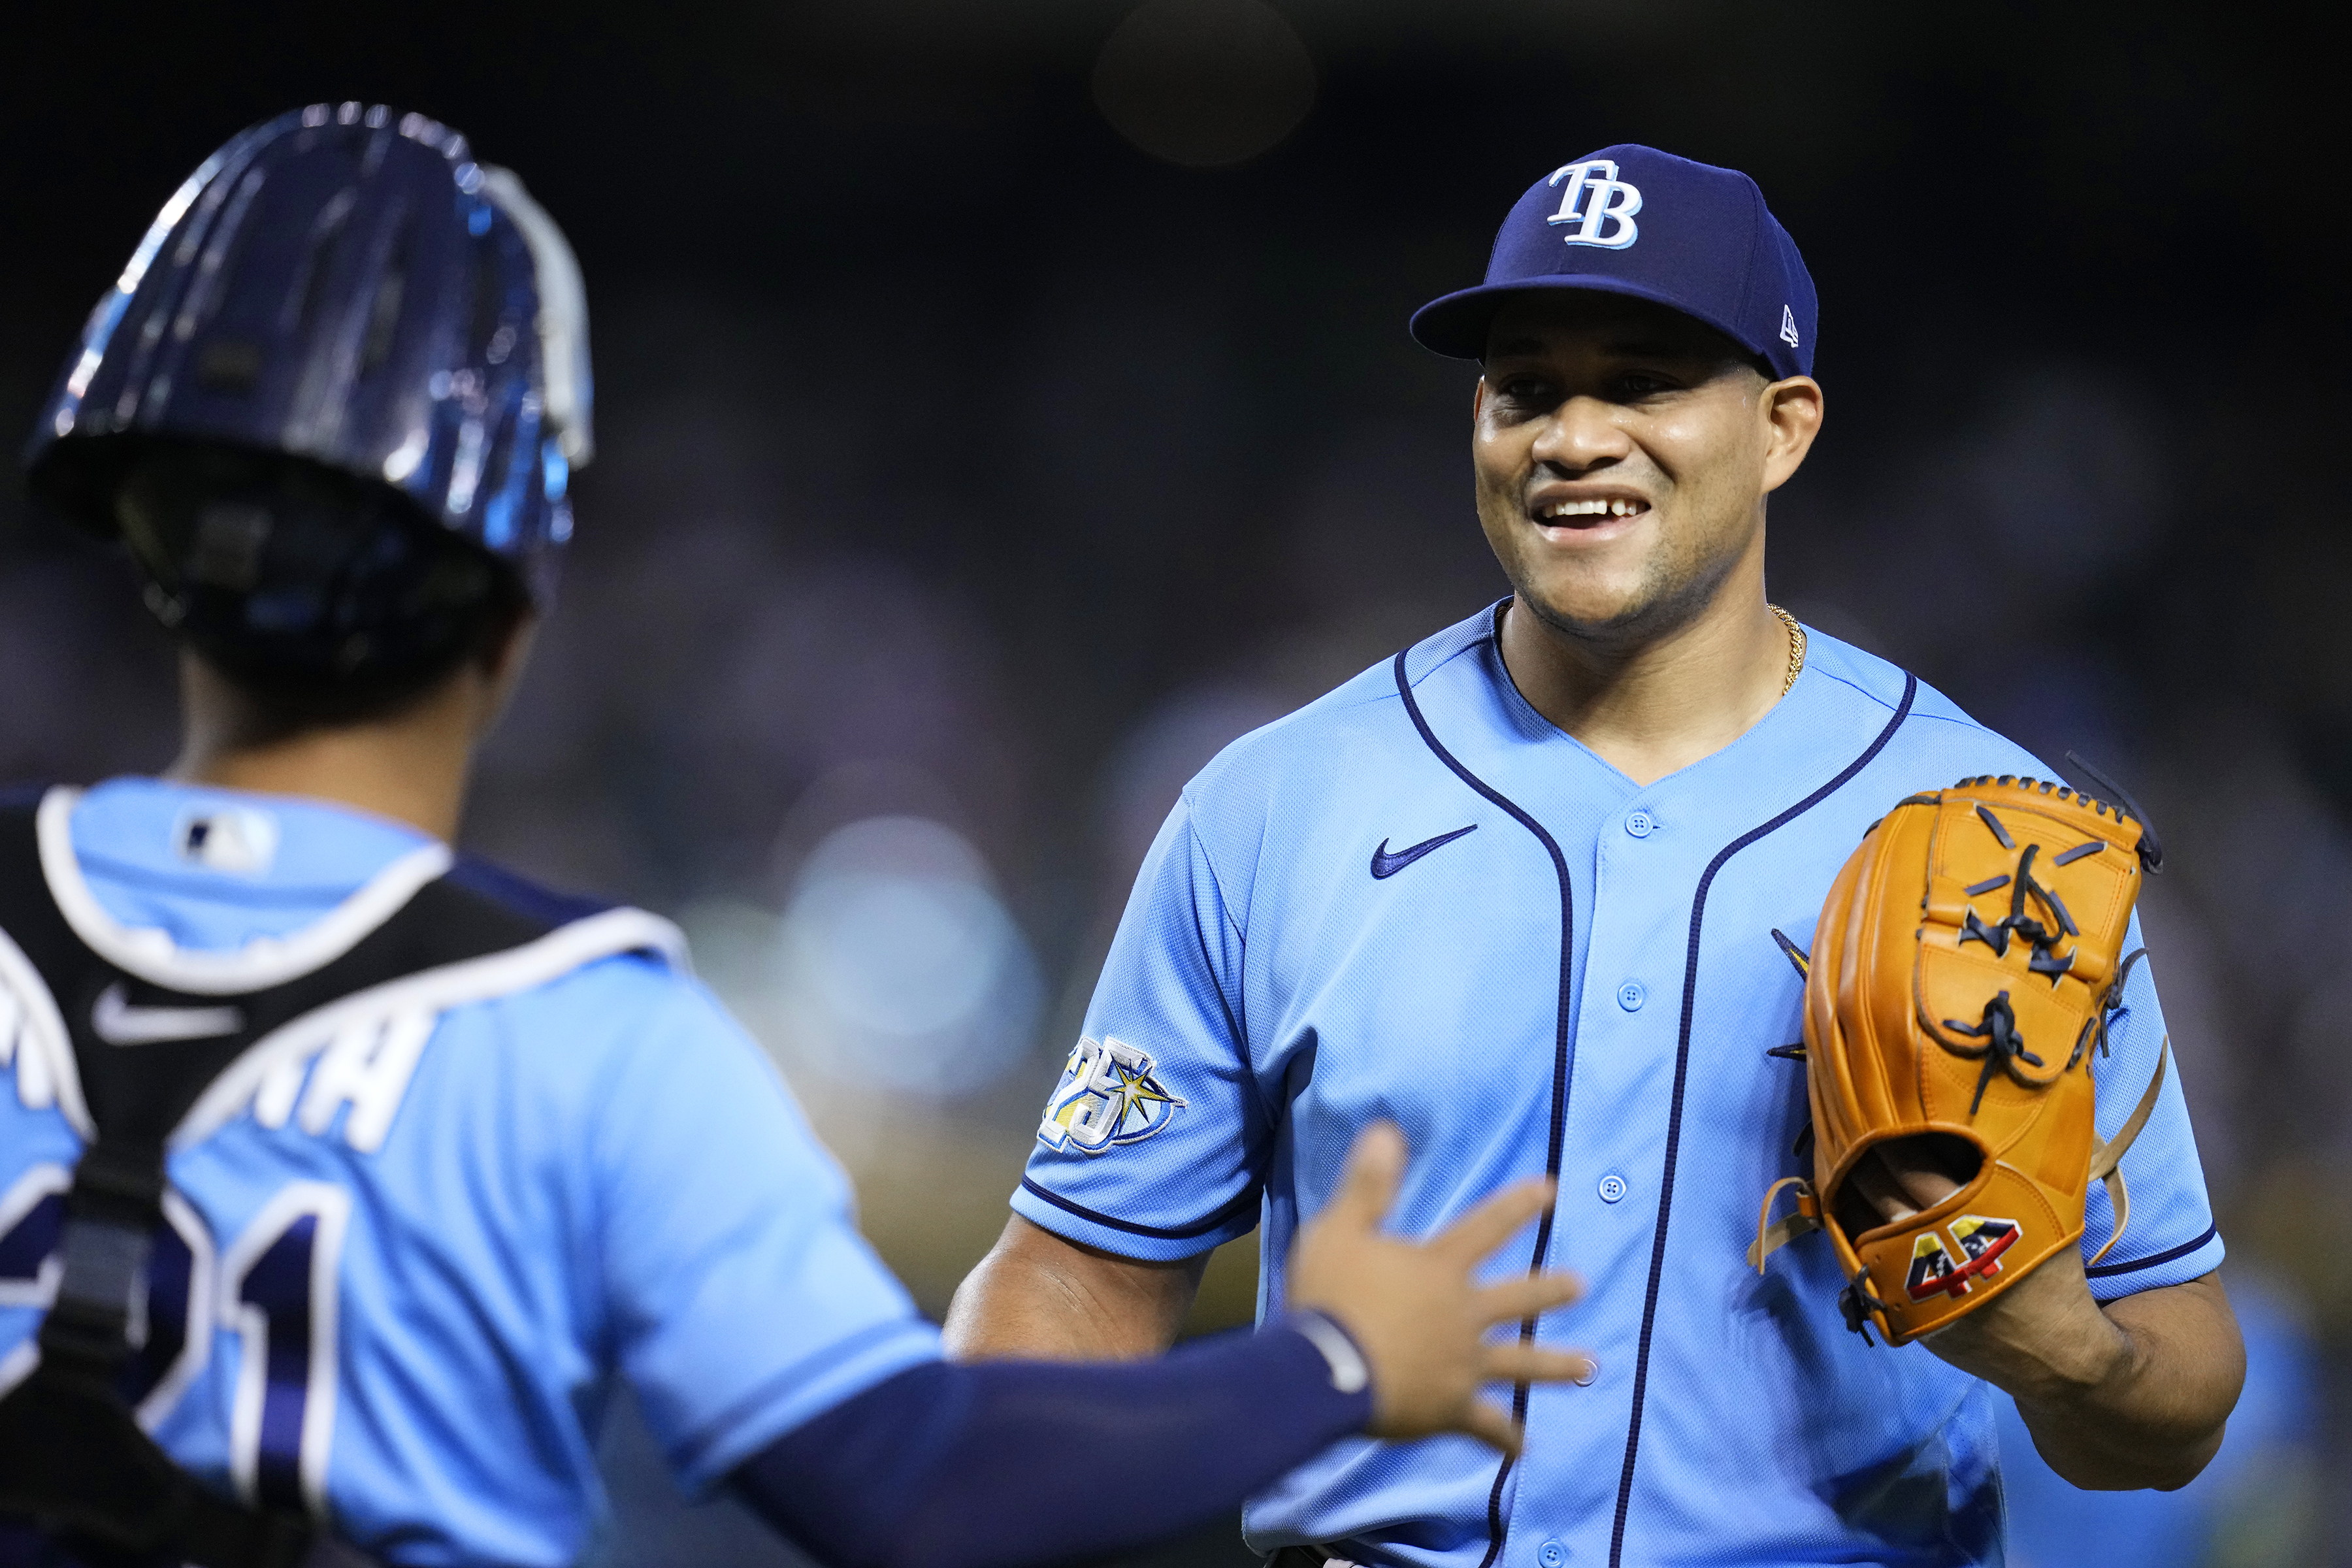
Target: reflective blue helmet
x: 345, y: 286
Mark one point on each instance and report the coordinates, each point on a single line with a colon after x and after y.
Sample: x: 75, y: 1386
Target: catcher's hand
x: 1417, y: 1309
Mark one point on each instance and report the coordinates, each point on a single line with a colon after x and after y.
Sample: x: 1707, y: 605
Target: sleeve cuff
x: 1074, y: 1221
x: 2114, y: 1278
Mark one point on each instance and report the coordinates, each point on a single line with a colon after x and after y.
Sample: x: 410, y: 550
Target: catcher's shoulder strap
x: 145, y: 1049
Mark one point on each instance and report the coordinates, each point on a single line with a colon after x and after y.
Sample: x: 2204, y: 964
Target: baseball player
x: 1518, y: 889
x: 339, y: 1175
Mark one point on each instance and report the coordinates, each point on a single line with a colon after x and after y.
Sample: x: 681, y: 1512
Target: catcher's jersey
x: 407, y: 1270
x: 1440, y: 909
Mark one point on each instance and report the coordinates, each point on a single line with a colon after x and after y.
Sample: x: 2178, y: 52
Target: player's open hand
x: 1416, y: 1309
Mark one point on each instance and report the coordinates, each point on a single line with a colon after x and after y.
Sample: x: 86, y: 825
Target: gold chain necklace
x: 1796, y: 646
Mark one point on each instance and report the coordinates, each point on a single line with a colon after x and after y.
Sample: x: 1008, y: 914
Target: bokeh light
x: 894, y: 965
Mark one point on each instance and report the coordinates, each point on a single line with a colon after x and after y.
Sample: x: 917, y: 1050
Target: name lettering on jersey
x: 1596, y: 206
x: 1973, y: 1253
x: 1111, y: 1094
x: 113, y: 1019
x: 365, y: 1066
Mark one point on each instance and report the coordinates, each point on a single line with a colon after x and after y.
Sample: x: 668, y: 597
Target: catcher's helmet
x: 344, y: 286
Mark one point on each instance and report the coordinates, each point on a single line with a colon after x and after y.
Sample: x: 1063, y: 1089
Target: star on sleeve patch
x: 1111, y: 1094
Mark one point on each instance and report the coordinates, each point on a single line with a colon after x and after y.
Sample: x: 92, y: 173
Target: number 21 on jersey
x: 274, y: 1289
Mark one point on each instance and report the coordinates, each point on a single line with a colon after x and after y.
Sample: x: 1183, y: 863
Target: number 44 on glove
x: 1962, y: 975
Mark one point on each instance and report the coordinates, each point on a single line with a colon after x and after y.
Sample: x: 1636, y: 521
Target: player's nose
x: 1580, y: 433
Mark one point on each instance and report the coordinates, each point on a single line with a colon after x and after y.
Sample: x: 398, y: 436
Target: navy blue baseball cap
x: 1634, y: 220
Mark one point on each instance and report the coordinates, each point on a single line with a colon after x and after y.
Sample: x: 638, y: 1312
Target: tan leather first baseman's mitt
x: 1959, y: 989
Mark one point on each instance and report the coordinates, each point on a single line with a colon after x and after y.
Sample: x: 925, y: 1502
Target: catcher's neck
x: 1653, y: 706
x: 411, y: 764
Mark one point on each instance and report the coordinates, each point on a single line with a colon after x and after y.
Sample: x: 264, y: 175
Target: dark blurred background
x: 1005, y: 405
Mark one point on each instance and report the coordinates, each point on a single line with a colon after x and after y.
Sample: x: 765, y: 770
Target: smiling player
x: 1519, y: 890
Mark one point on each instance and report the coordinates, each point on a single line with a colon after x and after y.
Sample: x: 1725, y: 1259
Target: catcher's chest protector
x: 74, y: 1461
x: 1966, y: 959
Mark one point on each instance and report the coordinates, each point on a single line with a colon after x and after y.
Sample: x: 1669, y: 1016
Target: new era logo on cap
x: 1632, y: 220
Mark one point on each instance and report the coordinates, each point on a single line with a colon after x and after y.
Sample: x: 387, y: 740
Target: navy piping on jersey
x: 519, y: 893
x: 2105, y: 1270
x: 1157, y: 1233
x: 1562, y: 1066
x: 1682, y: 1075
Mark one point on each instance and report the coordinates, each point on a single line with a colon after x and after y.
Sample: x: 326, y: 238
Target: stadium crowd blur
x: 1004, y: 406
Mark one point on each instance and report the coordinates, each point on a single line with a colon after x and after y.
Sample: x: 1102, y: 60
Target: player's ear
x: 1791, y: 410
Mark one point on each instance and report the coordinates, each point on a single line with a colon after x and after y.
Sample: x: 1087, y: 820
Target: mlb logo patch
x: 1111, y: 1094
x: 227, y: 839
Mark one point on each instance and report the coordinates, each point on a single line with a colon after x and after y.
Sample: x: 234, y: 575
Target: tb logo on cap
x: 1601, y: 204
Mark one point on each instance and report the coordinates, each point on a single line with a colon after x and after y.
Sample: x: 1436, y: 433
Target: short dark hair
x: 325, y: 598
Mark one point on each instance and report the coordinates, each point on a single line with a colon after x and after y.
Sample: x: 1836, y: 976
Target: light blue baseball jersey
x: 443, y: 1247
x: 1416, y: 899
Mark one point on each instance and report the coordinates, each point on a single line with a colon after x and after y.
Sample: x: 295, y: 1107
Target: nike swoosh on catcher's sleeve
x: 118, y: 1023
x: 1387, y: 864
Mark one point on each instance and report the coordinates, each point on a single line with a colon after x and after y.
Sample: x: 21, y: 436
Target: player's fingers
x: 1530, y: 1296
x: 1879, y: 1190
x: 1921, y: 1171
x: 1491, y: 1424
x: 1368, y: 1184
x: 1518, y: 1362
x: 1494, y: 1222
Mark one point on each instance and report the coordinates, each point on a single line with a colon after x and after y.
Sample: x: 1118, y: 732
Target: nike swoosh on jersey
x: 1387, y: 864
x: 113, y: 1019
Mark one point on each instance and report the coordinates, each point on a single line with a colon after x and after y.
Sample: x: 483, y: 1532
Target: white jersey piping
x: 259, y: 964
x: 44, y: 1058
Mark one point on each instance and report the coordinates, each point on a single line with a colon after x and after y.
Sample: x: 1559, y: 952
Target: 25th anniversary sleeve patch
x: 1111, y: 1094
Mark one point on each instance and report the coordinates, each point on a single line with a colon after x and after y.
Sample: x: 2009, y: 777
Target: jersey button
x: 1631, y: 995
x: 1552, y: 1555
x: 1612, y: 1187
x: 1640, y: 823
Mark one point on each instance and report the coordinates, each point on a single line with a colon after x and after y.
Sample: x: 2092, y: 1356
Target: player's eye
x: 1636, y: 385
x: 1527, y: 392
